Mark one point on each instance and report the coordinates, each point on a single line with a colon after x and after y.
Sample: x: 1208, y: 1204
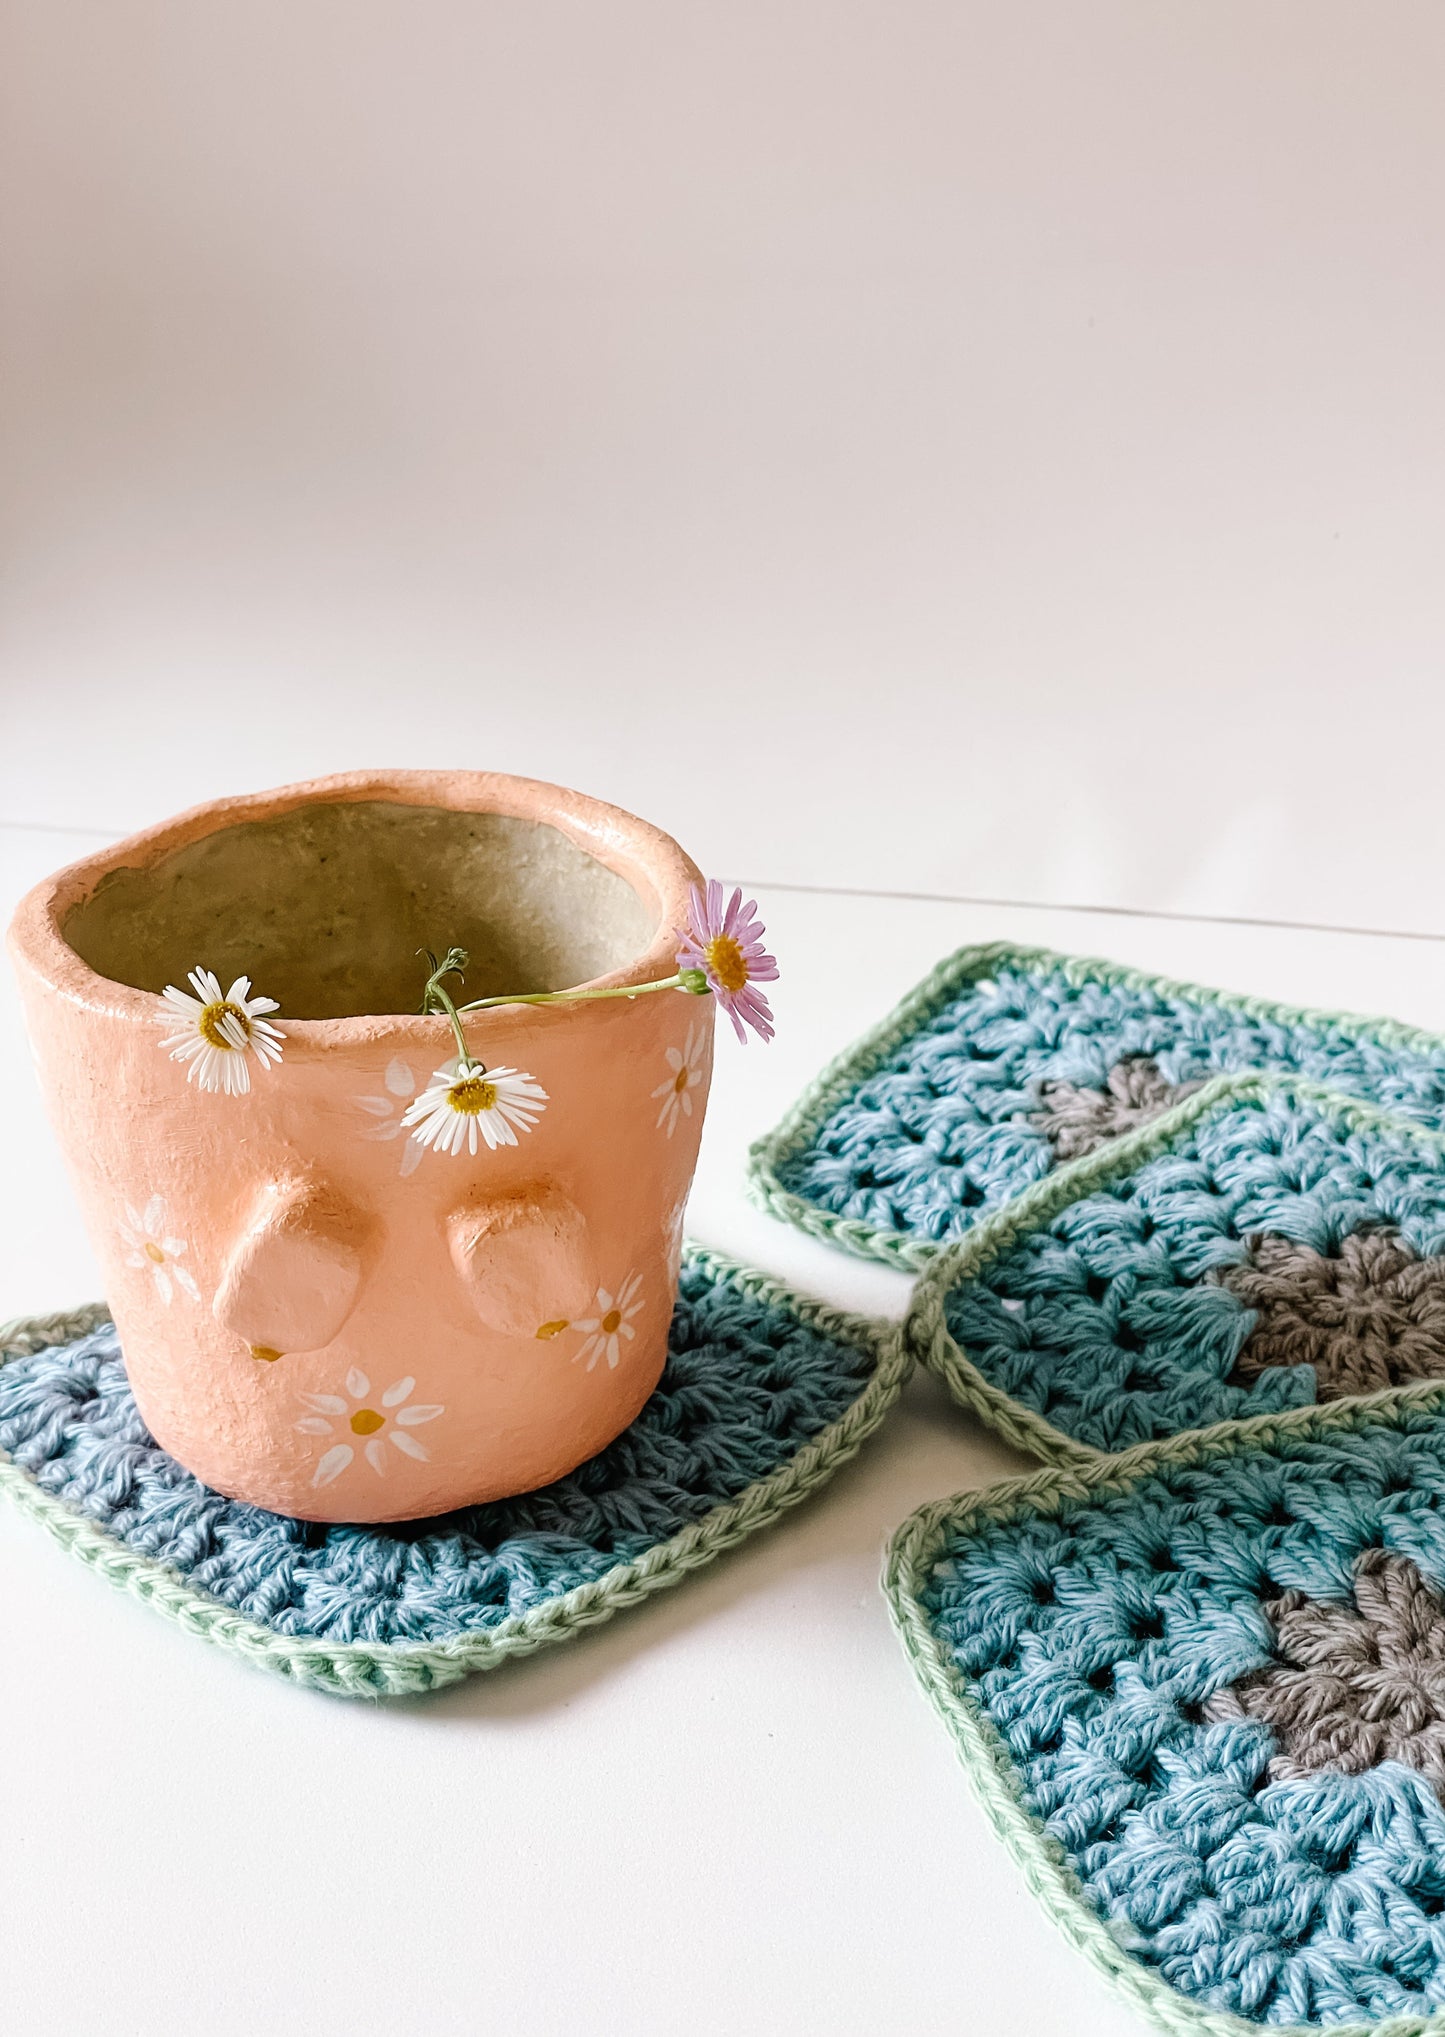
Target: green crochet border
x: 387, y: 1669
x: 992, y: 1773
x: 775, y: 1149
x: 925, y: 1326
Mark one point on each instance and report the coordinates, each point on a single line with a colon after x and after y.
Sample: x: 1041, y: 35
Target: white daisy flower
x: 145, y: 1235
x: 676, y: 1093
x: 390, y: 1420
x: 612, y: 1322
x: 219, y: 1033
x: 464, y: 1098
x: 388, y: 1109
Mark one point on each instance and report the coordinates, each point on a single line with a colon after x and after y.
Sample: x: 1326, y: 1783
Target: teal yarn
x: 764, y: 1395
x: 1098, y: 1314
x: 929, y: 1124
x: 1168, y: 1238
x: 1077, y: 1630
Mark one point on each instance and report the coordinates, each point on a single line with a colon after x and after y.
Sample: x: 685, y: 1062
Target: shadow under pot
x: 320, y: 1312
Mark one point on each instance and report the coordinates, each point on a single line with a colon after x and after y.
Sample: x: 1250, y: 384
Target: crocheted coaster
x: 1265, y: 1246
x: 764, y: 1396
x: 1200, y: 1693
x: 1008, y: 1063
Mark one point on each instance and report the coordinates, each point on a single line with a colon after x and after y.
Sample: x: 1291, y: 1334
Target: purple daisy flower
x: 726, y: 944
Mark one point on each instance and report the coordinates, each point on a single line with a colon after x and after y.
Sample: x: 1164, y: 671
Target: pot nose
x: 291, y: 1279
x: 525, y: 1258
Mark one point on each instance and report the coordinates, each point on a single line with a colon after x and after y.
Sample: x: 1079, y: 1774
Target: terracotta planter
x: 317, y: 1315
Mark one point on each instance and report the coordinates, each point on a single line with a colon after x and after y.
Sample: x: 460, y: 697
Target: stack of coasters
x: 1189, y: 1249
x: 1200, y: 1692
x: 764, y: 1396
x: 1008, y: 1063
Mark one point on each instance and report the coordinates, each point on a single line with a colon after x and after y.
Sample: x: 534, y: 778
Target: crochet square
x: 765, y: 1394
x: 1200, y: 1694
x: 1008, y: 1063
x: 1266, y: 1245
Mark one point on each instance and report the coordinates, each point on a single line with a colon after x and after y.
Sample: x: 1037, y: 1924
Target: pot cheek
x: 509, y: 1250
x: 291, y: 1280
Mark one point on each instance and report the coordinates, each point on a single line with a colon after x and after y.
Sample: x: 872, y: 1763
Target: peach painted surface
x: 292, y: 1221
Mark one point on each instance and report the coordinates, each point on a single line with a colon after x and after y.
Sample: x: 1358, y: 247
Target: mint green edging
x: 925, y: 1327
x: 771, y: 1153
x: 387, y: 1669
x: 992, y: 1774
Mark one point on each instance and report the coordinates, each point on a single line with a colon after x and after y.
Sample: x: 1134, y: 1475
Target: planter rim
x: 646, y: 858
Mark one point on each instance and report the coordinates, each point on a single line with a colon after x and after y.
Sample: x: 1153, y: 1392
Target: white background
x: 991, y: 452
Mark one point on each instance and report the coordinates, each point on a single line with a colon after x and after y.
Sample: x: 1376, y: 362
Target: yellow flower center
x: 267, y: 1353
x: 209, y: 1024
x: 725, y: 962
x: 611, y: 1322
x: 546, y: 1330
x: 472, y: 1095
x: 682, y: 1080
x: 153, y: 1251
x: 366, y: 1422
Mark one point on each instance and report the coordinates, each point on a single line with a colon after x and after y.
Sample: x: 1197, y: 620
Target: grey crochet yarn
x: 1077, y: 1121
x: 1370, y: 1318
x: 1355, y: 1685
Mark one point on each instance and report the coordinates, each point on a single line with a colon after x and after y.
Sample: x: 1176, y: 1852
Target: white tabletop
x: 983, y: 451
x: 730, y: 1811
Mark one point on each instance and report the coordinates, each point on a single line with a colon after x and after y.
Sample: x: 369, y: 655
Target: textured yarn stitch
x: 1219, y: 1276
x: 1093, y: 1640
x: 1368, y: 1316
x: 948, y: 1109
x: 1077, y: 1121
x: 1356, y: 1684
x: 762, y: 1397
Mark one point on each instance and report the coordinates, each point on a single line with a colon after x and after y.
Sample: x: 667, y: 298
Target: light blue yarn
x: 747, y: 1384
x: 941, y: 1135
x: 1093, y: 1639
x: 1102, y: 1322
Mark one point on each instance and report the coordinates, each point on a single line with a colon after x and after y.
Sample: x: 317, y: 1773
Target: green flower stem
x: 578, y: 996
x: 437, y: 998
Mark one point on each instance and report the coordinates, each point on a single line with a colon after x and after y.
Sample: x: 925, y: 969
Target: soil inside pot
x: 325, y: 908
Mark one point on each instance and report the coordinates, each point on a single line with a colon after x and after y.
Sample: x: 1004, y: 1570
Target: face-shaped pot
x: 318, y: 1315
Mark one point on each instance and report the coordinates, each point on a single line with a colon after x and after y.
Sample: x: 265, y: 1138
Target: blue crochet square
x: 1202, y: 1699
x: 1008, y: 1062
x: 1265, y: 1247
x: 763, y: 1396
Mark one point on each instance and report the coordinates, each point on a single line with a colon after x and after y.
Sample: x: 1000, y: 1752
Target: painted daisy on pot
x: 360, y: 1423
x: 465, y: 1101
x: 387, y: 1112
x: 722, y: 951
x: 612, y: 1325
x: 147, y: 1237
x: 221, y: 1031
x: 685, y: 1066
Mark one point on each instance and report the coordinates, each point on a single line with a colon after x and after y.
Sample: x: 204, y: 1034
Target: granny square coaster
x: 1008, y: 1063
x: 1200, y: 1693
x: 765, y: 1394
x: 1265, y: 1245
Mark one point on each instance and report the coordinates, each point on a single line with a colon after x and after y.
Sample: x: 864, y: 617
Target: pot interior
x: 325, y: 907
